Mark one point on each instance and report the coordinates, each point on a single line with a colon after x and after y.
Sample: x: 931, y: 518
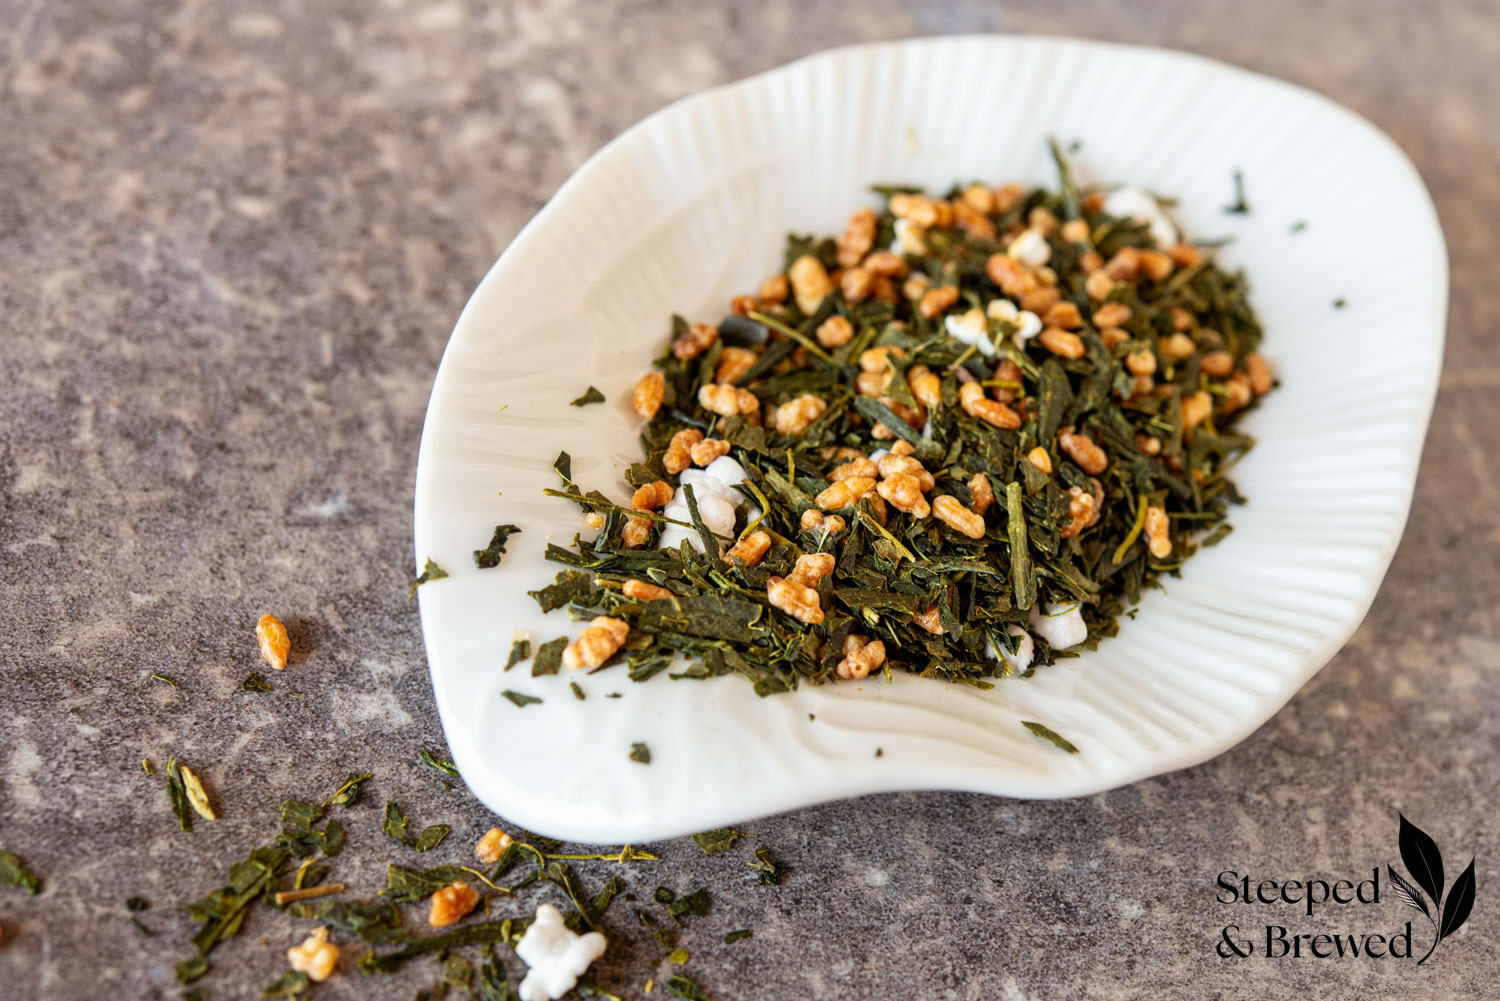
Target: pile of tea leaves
x: 1030, y: 399
x: 472, y: 957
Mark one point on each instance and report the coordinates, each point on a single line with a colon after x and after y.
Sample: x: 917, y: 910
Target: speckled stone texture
x: 233, y: 239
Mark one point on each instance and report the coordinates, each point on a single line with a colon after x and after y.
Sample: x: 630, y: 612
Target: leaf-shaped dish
x: 691, y: 206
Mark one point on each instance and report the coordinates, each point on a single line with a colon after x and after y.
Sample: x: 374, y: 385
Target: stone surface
x: 233, y: 239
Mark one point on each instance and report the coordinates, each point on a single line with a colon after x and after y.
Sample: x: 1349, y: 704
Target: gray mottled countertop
x: 233, y: 239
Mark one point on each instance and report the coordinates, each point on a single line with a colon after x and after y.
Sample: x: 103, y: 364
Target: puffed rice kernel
x: 810, y: 283
x: 707, y: 451
x: 795, y: 599
x: 1156, y: 528
x: 451, y: 904
x: 727, y: 401
x: 679, y: 454
x: 649, y: 393
x: 698, y: 339
x: 734, y: 363
x: 971, y: 397
x: 859, y: 663
x: 951, y: 511
x: 316, y: 956
x: 1081, y: 449
x: 652, y: 496
x: 844, y: 493
x: 835, y: 332
x: 492, y: 846
x: 275, y: 644
x: 642, y: 591
x: 857, y: 238
x: 905, y: 494
x: 597, y: 643
x: 794, y: 416
x: 752, y: 548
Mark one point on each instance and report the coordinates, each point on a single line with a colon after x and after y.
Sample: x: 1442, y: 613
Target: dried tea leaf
x: 395, y: 825
x: 441, y: 764
x: 406, y: 884
x: 430, y: 572
x: 641, y: 753
x: 1047, y: 733
x: 490, y: 555
x: 486, y: 933
x: 521, y: 701
x: 348, y: 793
x: 255, y: 682
x: 681, y: 987
x: 720, y: 840
x: 592, y: 396
x: 177, y: 795
x: 548, y: 657
x: 769, y: 870
x: 13, y: 872
x: 289, y: 985
x: 191, y: 969
x: 694, y: 904
x: 519, y: 651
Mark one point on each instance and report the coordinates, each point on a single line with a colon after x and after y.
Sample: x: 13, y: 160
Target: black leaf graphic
x: 1460, y: 902
x: 1407, y: 892
x: 1422, y: 858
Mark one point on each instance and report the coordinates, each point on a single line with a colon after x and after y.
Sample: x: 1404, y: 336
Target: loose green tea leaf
x: 577, y: 692
x: 255, y: 682
x: 522, y: 701
x: 191, y: 969
x: 297, y: 834
x: 486, y: 933
x: 720, y: 840
x: 769, y: 871
x: 1047, y: 733
x: 457, y: 972
x: 163, y: 677
x: 548, y: 657
x: 430, y: 571
x: 681, y: 987
x: 679, y: 956
x: 375, y: 921
x: 441, y: 764
x: 288, y: 985
x: 405, y: 884
x: 348, y: 793
x: 1239, y: 206
x: 738, y: 936
x: 395, y: 825
x: 519, y: 651
x: 13, y: 872
x: 134, y: 905
x: 490, y: 555
x: 641, y: 753
x: 220, y: 913
x: 695, y: 903
x: 592, y: 396
x: 177, y: 795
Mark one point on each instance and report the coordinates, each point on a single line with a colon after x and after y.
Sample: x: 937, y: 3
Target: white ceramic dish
x: 691, y: 206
